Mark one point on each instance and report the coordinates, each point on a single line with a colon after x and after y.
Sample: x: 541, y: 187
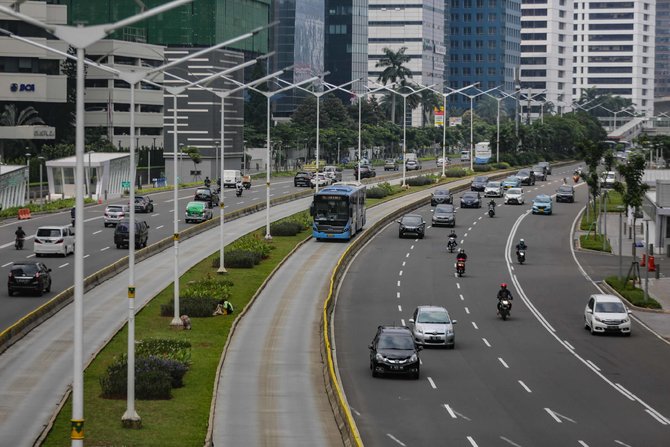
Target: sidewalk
x: 606, y: 264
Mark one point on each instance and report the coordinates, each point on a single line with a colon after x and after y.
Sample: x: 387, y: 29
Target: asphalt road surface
x: 536, y: 379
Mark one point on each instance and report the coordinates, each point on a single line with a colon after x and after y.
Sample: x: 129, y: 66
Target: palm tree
x: 429, y: 101
x: 394, y: 70
x: 26, y: 117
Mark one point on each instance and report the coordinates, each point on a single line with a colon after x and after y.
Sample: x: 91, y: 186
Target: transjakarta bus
x: 338, y: 211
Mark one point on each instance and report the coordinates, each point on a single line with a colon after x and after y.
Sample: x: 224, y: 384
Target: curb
x: 613, y: 291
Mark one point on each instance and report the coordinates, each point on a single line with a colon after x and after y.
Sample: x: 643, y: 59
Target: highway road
x: 100, y: 250
x: 536, y: 379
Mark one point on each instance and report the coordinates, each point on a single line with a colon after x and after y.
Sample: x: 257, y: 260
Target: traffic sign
x: 125, y: 184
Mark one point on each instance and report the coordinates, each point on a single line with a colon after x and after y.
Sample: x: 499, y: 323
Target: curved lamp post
x: 472, y: 118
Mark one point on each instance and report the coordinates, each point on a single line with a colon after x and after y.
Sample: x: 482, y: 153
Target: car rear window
x: 24, y: 269
x: 444, y: 209
x: 48, y: 232
x: 203, y: 192
x: 122, y: 227
x: 115, y: 208
x: 565, y: 189
x: 481, y: 179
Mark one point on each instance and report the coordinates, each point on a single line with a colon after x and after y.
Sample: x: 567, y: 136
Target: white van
x: 55, y: 239
x: 465, y: 155
x: 231, y: 177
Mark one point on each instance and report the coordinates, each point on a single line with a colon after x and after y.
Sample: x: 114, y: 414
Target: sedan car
x: 471, y: 200
x: 540, y: 172
x: 412, y: 165
x: 431, y: 326
x: 440, y: 161
x: 479, y: 183
x: 29, y: 276
x: 412, y: 224
x: 527, y: 177
x: 511, y: 182
x: 367, y: 171
x: 606, y: 313
x: 493, y: 189
x: 144, y: 204
x: 115, y: 214
x: 444, y: 214
x: 197, y: 212
x: 565, y: 193
x: 302, y: 179
x: 393, y: 351
x: 390, y: 165
x: 542, y: 204
x: 513, y: 196
x: 320, y: 179
x: 441, y: 196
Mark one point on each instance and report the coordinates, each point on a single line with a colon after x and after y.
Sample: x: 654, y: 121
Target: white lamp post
x: 41, y: 159
x: 88, y: 182
x: 472, y: 119
x: 28, y: 179
x: 498, y: 100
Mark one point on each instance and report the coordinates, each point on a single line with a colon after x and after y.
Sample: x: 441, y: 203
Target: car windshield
x: 514, y: 191
x: 331, y: 208
x: 441, y: 192
x: 469, y: 195
x: 565, y: 189
x: 542, y: 199
x: 524, y: 172
x: 433, y: 316
x: 395, y: 342
x: 493, y: 185
x: 24, y: 269
x: 411, y: 220
x: 48, y: 232
x: 481, y: 179
x: 444, y: 209
x: 610, y: 307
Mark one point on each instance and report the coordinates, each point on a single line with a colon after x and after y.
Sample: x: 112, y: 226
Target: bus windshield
x: 331, y: 209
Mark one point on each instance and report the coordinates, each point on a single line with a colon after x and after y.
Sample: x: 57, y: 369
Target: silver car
x: 115, y: 214
x: 431, y: 326
x: 493, y: 189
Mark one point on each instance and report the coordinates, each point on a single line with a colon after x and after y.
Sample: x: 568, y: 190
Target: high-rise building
x: 662, y: 70
x: 614, y: 50
x: 546, y: 55
x: 417, y: 25
x: 484, y: 45
x: 346, y: 43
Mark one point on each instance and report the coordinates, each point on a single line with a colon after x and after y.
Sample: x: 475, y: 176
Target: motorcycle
x: 208, y: 183
x: 504, y: 307
x: 460, y: 268
x: 492, y: 211
x: 18, y: 243
x: 575, y: 178
x: 451, y: 245
x: 521, y: 256
x: 238, y: 191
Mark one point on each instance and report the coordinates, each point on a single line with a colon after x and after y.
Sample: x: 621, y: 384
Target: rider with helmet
x: 20, y: 236
x: 461, y: 256
x: 504, y: 294
x: 521, y: 246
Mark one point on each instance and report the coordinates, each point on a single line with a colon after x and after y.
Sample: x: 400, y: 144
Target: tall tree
x: 632, y: 191
x: 394, y: 70
x: 11, y: 117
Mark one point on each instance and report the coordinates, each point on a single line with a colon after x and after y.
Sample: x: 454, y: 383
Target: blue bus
x: 338, y: 211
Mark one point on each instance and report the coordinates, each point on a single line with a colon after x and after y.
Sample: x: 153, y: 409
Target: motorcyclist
x: 521, y: 246
x: 453, y: 234
x: 238, y: 189
x: 461, y: 256
x: 208, y: 182
x: 20, y: 236
x: 492, y: 204
x: 504, y: 294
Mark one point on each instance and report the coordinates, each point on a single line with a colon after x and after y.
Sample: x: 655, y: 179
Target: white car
x: 606, y: 313
x: 513, y: 195
x: 115, y: 214
x: 322, y: 180
x: 493, y: 189
x: 607, y: 180
x: 441, y: 160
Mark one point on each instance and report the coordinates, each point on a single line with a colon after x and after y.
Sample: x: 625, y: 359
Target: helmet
x: 19, y: 227
x: 503, y: 285
x: 521, y: 241
x: 460, y: 250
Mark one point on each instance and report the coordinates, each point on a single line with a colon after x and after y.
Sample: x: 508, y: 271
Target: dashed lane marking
x: 467, y: 311
x: 524, y: 386
x: 472, y: 442
x: 461, y: 296
x: 503, y: 362
x: 400, y: 308
x: 63, y: 265
x: 474, y: 325
x: 96, y: 232
x: 103, y: 249
x: 159, y: 227
x: 593, y: 365
x: 486, y: 342
x: 396, y: 440
x: 568, y: 345
x: 402, y: 321
x: 450, y: 411
x: 432, y: 384
x: 86, y: 256
x: 400, y: 274
x: 398, y: 283
x: 458, y: 285
x: 30, y: 256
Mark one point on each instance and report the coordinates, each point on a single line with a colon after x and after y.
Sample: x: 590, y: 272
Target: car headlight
x: 597, y: 318
x: 379, y: 357
x: 419, y: 330
x: 449, y: 331
x: 414, y: 358
x: 625, y: 320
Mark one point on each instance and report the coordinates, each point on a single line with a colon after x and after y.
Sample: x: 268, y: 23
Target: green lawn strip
x: 183, y: 419
x: 594, y: 242
x: 633, y: 294
x: 614, y: 199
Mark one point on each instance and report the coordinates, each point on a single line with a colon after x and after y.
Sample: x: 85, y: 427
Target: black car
x: 29, y: 276
x: 540, y: 172
x: 393, y: 351
x: 412, y: 224
x: 441, y: 196
x: 565, y: 193
x: 471, y: 200
x: 444, y: 214
x: 367, y: 171
x: 206, y: 195
x: 122, y: 235
x: 144, y: 204
x: 527, y: 177
x: 303, y: 179
x: 479, y: 183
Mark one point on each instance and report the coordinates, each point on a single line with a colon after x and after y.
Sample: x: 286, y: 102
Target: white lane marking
x: 432, y: 383
x: 659, y: 417
x: 159, y: 227
x: 509, y: 441
x: 503, y: 362
x: 402, y: 321
x: 625, y: 392
x: 462, y: 240
x: 467, y: 311
x: 255, y: 198
x: 472, y: 442
x: 616, y: 441
x: 407, y: 255
x: 355, y: 411
x: 486, y: 342
x: 557, y: 416
x: 411, y: 247
x: 103, y: 249
x: 469, y: 229
x: 239, y: 203
x: 398, y: 283
x: 460, y: 415
x: 475, y: 222
x: 63, y: 265
x: 30, y: 256
x: 399, y: 308
x: 86, y: 256
x: 156, y: 214
x: 394, y: 439
x: 475, y: 325
x: 524, y: 386
x: 96, y: 232
x: 480, y: 218
x: 430, y: 226
x: 397, y: 294
x: 451, y: 412
x: 465, y: 235
x: 458, y: 285
x: 593, y: 365
x: 582, y: 443
x: 512, y: 267
x: 400, y: 274
x: 460, y: 295
x: 172, y: 210
x: 403, y: 263
x: 5, y: 265
x: 568, y: 345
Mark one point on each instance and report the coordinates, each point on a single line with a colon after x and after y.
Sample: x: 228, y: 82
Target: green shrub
x: 253, y: 242
x: 207, y: 287
x: 455, y: 172
x: 153, y: 378
x: 193, y: 307
x: 481, y: 168
x: 594, y: 242
x: 55, y: 205
x: 420, y: 181
x: 386, y: 186
x: 241, y: 259
x: 286, y: 228
x: 179, y: 350
x: 501, y: 165
x: 376, y: 193
x: 634, y: 295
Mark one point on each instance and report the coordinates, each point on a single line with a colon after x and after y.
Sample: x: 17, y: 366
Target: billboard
x: 439, y: 116
x: 455, y: 121
x: 482, y: 152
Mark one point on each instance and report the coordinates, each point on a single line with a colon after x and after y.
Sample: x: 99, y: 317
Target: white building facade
x: 13, y: 182
x: 417, y: 25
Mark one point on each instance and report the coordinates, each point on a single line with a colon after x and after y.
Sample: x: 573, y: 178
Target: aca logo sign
x: 14, y: 87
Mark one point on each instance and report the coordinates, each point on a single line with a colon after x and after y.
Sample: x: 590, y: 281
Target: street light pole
x: 41, y: 159
x: 88, y: 183
x: 28, y: 179
x: 472, y: 119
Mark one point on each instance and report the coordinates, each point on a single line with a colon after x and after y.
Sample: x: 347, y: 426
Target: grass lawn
x: 633, y: 294
x: 613, y: 201
x: 594, y: 242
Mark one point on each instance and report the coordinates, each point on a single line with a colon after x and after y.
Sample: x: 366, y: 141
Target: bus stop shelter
x: 107, y: 175
x: 13, y: 182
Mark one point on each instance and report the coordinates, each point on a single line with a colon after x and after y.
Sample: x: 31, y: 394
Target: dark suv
x: 30, y: 276
x: 367, y: 171
x: 393, y: 351
x: 303, y: 179
x: 206, y: 195
x: 565, y: 193
x: 122, y: 234
x: 412, y: 224
x: 144, y: 204
x: 479, y: 183
x: 441, y: 196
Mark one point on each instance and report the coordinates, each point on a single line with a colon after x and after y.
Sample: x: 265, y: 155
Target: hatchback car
x: 441, y: 196
x: 197, y: 212
x: 444, y: 214
x: 440, y: 161
x: 115, y: 214
x: 393, y: 351
x: 540, y: 172
x: 471, y: 200
x: 606, y: 313
x: 144, y: 204
x: 565, y: 193
x: 412, y: 165
x: 302, y: 179
x: 390, y: 165
x: 493, y: 189
x: 542, y: 204
x: 206, y: 195
x: 320, y: 179
x: 367, y: 171
x: 513, y: 196
x: 527, y: 177
x: 122, y: 234
x: 511, y: 182
x: 431, y: 326
x: 479, y: 183
x: 412, y: 224
x: 29, y: 276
